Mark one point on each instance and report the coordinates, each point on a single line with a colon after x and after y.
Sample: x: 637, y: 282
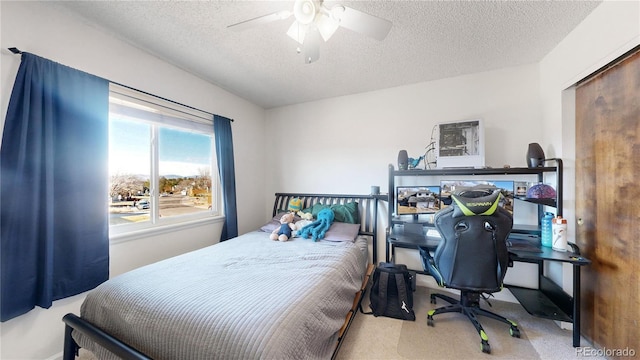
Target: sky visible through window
x: 181, y: 153
x: 184, y: 153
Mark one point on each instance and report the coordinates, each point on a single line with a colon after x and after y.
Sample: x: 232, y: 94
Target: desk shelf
x: 548, y: 202
x: 412, y: 241
x: 473, y: 171
x: 538, y: 304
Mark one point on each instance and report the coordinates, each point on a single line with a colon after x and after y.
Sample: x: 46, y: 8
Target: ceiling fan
x: 315, y: 20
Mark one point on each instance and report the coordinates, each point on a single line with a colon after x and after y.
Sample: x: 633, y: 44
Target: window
x: 161, y: 162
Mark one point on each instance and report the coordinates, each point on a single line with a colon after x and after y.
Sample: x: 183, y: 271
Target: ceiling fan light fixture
x: 315, y: 20
x: 327, y: 26
x: 337, y: 11
x: 305, y: 11
x: 297, y: 32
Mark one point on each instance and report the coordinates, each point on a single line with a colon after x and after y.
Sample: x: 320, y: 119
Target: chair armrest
x: 428, y: 263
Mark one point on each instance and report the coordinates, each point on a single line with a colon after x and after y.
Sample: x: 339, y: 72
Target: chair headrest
x: 472, y: 206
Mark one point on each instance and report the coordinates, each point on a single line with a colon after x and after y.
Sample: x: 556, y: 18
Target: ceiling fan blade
x: 311, y: 46
x: 260, y: 20
x: 366, y: 24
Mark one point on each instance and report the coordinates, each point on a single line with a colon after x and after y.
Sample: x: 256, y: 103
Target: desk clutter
x: 416, y: 198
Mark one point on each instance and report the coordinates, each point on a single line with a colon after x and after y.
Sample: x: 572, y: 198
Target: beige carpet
x: 418, y: 339
x: 454, y: 337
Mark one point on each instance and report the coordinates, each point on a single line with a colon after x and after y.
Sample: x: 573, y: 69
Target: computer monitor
x: 412, y: 200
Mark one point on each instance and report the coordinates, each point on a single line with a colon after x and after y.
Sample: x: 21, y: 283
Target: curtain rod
x: 18, y: 52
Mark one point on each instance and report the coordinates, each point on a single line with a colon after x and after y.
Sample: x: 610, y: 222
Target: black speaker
x: 403, y: 160
x: 535, y: 155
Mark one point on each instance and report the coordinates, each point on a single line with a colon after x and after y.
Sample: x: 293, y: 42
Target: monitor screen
x: 448, y: 187
x: 417, y: 199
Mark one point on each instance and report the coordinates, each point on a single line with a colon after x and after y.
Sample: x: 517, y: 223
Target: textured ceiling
x: 429, y: 40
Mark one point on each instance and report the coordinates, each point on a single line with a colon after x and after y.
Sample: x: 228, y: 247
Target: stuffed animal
x: 305, y: 216
x: 295, y: 204
x: 318, y: 228
x: 413, y: 163
x: 299, y: 225
x: 283, y: 233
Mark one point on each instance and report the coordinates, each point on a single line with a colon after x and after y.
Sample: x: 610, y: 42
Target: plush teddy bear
x: 283, y: 233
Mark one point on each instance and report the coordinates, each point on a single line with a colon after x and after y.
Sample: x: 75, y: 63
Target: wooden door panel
x: 608, y: 203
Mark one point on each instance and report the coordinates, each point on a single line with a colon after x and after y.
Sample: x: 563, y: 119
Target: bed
x: 245, y: 298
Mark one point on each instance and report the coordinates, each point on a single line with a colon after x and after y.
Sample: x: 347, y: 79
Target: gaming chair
x: 471, y: 257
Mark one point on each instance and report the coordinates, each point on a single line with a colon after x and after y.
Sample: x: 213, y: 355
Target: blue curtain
x: 226, y: 169
x: 53, y: 186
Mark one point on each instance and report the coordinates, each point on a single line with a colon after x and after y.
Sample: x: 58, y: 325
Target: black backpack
x: 392, y: 292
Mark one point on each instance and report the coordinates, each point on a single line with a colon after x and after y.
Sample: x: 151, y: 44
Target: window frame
x: 167, y: 114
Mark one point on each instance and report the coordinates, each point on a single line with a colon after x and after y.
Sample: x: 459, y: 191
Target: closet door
x: 608, y: 203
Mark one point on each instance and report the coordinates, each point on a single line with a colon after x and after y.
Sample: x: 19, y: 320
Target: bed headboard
x: 367, y: 205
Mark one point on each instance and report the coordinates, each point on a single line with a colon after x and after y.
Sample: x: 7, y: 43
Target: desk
x: 548, y: 301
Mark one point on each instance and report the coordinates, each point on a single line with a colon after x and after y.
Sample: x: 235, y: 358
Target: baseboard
x: 57, y: 356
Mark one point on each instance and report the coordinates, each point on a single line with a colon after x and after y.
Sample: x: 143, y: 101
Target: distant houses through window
x: 161, y: 162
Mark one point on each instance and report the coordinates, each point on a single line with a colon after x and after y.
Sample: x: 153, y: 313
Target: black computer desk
x: 548, y: 301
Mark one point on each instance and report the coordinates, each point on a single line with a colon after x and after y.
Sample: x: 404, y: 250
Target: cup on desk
x: 375, y: 190
x: 559, y: 233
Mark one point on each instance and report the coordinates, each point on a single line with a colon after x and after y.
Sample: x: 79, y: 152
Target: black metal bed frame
x: 368, y: 207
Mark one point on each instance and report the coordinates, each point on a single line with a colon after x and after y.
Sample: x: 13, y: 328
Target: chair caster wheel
x: 514, y: 331
x: 486, y: 348
x: 430, y: 320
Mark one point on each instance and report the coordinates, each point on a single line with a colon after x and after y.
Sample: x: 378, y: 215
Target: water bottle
x: 547, y: 231
x: 559, y: 226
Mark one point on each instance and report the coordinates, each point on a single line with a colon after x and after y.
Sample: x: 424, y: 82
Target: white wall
x: 43, y: 30
x: 344, y: 145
